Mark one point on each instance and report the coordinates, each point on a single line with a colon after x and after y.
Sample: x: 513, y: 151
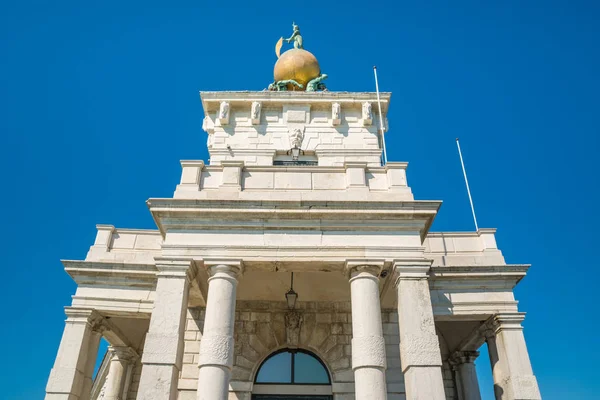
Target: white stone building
x: 197, y: 308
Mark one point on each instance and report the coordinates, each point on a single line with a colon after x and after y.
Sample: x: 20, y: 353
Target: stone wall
x: 326, y: 330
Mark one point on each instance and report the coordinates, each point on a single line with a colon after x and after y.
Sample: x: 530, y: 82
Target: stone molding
x: 211, y: 100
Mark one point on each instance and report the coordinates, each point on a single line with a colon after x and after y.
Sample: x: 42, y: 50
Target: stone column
x: 467, y: 385
x: 419, y: 345
x: 511, y: 368
x: 74, y: 364
x: 216, y: 346
x: 96, y: 335
x: 368, y: 345
x: 163, y: 349
x: 120, y: 359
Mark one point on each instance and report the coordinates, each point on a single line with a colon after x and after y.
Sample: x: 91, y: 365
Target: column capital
x: 412, y: 269
x: 367, y: 268
x: 502, y: 321
x: 123, y: 353
x: 170, y: 267
x: 463, y: 357
x: 76, y: 314
x: 232, y: 267
x: 88, y: 316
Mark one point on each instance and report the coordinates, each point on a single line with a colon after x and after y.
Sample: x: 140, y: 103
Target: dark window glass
x: 297, y: 367
x: 276, y: 369
x: 308, y: 369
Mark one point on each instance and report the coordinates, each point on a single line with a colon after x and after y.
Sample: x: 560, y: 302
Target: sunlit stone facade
x: 294, y: 184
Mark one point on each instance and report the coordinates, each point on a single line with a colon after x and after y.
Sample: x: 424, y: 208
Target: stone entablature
x: 333, y: 126
x: 448, y: 249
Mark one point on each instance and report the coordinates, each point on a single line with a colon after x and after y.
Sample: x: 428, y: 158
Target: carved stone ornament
x: 293, y: 323
x: 296, y: 136
x: 336, y: 113
x: 255, y: 113
x: 208, y: 126
x: 367, y: 113
x: 224, y: 113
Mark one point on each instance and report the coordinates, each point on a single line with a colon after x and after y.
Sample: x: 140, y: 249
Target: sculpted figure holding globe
x: 296, y: 69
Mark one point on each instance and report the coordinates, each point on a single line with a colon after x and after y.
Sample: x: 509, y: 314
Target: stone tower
x: 204, y: 306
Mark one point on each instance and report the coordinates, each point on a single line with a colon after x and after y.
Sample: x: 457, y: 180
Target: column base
x: 424, y: 383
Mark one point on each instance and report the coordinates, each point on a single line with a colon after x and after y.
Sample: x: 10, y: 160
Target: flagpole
x: 381, y: 128
x: 467, y: 183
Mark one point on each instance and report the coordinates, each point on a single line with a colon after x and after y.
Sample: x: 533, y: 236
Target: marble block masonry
x: 294, y: 184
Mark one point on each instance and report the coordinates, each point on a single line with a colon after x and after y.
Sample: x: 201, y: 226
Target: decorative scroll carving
x: 336, y: 113
x: 224, y: 113
x: 367, y: 113
x: 255, y: 113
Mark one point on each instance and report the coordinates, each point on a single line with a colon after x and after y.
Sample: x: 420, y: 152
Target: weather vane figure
x: 296, y: 69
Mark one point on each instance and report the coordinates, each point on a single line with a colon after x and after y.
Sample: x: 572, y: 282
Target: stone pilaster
x: 511, y: 368
x: 121, y: 357
x: 163, y: 349
x: 368, y: 346
x: 216, y: 346
x: 70, y: 378
x: 419, y: 345
x: 467, y: 385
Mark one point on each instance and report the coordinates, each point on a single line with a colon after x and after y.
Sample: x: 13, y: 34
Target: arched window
x: 292, y: 374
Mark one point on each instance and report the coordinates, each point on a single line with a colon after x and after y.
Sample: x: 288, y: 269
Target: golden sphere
x: 297, y: 64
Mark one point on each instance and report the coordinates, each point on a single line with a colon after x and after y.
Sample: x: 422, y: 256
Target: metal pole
x: 467, y: 183
x: 381, y: 128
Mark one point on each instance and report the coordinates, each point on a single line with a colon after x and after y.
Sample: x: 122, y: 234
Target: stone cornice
x: 250, y: 214
x: 461, y: 234
x: 504, y: 276
x: 212, y: 100
x: 111, y: 272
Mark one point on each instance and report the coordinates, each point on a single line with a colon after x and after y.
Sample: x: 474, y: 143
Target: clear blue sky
x: 99, y: 102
